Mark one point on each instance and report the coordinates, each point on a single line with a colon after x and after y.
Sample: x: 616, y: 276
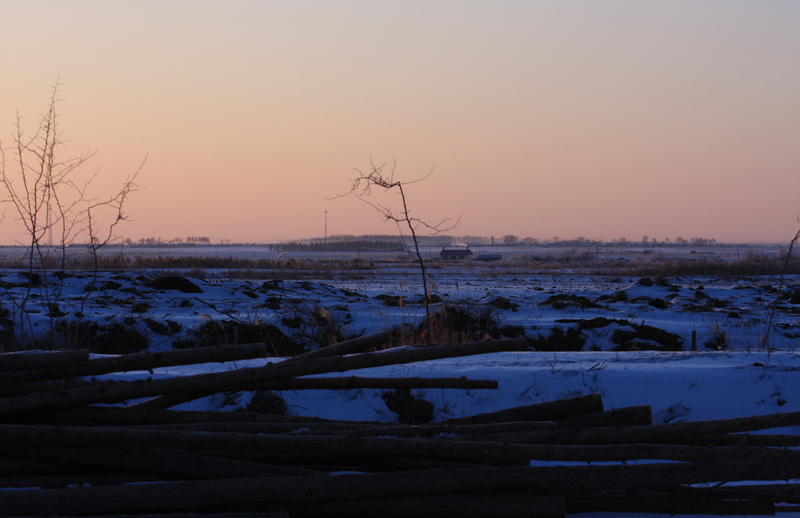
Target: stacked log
x: 87, y: 459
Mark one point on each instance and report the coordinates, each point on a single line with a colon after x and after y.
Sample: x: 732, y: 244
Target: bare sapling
x: 786, y: 260
x: 50, y: 197
x: 380, y: 178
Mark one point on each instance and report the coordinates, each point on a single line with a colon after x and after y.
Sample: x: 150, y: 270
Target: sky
x: 605, y: 120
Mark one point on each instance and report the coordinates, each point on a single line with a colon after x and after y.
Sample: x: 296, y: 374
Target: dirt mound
x: 503, y: 303
x: 174, y: 282
x: 563, y: 300
x: 558, y: 340
x: 645, y: 338
x: 592, y: 323
x: 409, y: 409
x: 115, y: 338
x: 212, y: 332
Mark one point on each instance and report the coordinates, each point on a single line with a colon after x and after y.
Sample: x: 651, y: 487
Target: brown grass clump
x: 454, y: 324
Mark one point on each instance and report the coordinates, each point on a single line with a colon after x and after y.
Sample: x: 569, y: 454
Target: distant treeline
x: 350, y: 243
x: 341, y: 246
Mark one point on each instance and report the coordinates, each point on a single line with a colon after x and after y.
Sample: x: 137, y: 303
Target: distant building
x: 455, y: 253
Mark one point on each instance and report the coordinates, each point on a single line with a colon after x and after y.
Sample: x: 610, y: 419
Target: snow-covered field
x: 627, y: 338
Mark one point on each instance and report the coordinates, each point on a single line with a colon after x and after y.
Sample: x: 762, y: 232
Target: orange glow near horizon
x: 541, y: 119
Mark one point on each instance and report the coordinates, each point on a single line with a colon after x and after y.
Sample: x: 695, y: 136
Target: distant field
x: 597, y: 253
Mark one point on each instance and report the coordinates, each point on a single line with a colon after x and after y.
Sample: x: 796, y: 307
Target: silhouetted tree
x: 379, y: 177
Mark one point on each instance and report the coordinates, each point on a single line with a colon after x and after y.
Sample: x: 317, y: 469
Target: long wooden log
x: 463, y: 505
x: 77, y: 478
x: 17, y: 388
x: 547, y: 411
x: 196, y: 420
x: 221, y: 492
x: 146, y: 361
x: 731, y: 425
x: 304, y: 449
x: 738, y: 439
x: 312, y: 428
x: 775, y: 493
x: 155, y: 461
x: 620, y: 416
x: 112, y: 392
x: 362, y: 429
x: 641, y: 501
x: 655, y: 434
x: 356, y: 345
x: 339, y: 383
x: 460, y: 432
x: 252, y: 514
x: 626, y: 416
x: 22, y: 361
x: 167, y: 401
x: 11, y: 466
x: 116, y: 416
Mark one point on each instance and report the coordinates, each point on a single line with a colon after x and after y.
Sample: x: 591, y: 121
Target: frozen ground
x: 556, y: 311
x: 626, y: 338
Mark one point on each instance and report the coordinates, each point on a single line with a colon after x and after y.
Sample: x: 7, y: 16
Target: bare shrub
x: 52, y: 201
x: 377, y: 177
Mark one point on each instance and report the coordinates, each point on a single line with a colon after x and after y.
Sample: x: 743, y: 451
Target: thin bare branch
x: 378, y: 176
x: 48, y: 195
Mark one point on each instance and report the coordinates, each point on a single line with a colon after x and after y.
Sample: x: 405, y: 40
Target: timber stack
x: 74, y: 446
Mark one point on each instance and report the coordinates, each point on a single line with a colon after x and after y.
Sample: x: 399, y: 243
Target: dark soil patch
x: 174, y: 282
x: 111, y: 285
x: 592, y: 323
x: 351, y: 293
x: 267, y: 402
x: 168, y: 327
x: 558, y: 340
x: 409, y: 409
x: 658, y: 303
x: 272, y: 285
x: 34, y: 279
x: 644, y: 337
x: 140, y: 307
x: 6, y: 333
x: 619, y: 296
x: 293, y: 322
x: 503, y: 303
x: 391, y: 301
x: 394, y: 301
x: 561, y: 301
x: 213, y: 332
x: 112, y: 339
x: 53, y: 311
x: 273, y: 303
x: 664, y: 283
x: 512, y: 331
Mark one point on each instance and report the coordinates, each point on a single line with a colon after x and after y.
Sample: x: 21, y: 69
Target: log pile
x: 548, y: 459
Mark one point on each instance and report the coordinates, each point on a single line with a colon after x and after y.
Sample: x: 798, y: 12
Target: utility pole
x: 326, y: 230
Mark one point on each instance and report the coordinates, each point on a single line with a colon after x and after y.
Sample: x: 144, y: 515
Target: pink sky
x: 604, y: 120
